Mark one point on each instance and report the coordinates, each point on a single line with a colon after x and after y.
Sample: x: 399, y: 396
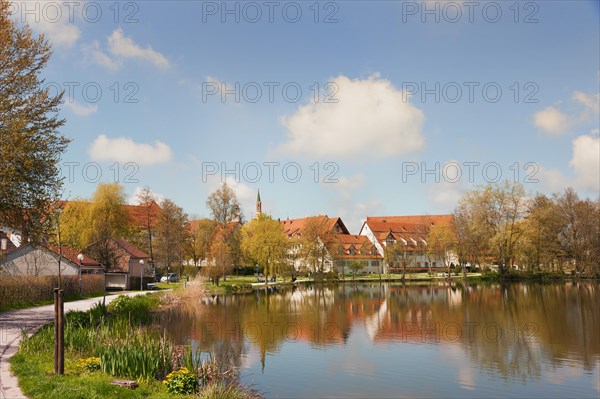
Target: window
x: 433, y: 264
x: 352, y: 250
x: 375, y: 263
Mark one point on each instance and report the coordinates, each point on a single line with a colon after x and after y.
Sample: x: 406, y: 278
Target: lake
x: 437, y: 339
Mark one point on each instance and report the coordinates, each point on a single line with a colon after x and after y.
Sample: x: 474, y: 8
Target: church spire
x: 258, y: 205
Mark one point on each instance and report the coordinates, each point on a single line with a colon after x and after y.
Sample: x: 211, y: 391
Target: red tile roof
x: 363, y: 247
x: 71, y: 255
x: 131, y: 250
x: 412, y: 229
x: 293, y: 227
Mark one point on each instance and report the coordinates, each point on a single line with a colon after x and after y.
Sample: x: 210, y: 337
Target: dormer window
x: 352, y: 250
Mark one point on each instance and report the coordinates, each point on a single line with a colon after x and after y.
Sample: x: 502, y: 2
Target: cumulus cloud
x: 121, y: 48
x: 551, y: 179
x: 125, y: 47
x: 97, y: 56
x: 81, y: 110
x: 554, y: 122
x: 586, y: 162
x: 366, y: 118
x: 122, y: 149
x: 445, y: 195
x: 551, y: 120
x: 50, y: 18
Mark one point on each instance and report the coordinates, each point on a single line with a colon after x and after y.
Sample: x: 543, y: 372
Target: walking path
x: 11, y: 324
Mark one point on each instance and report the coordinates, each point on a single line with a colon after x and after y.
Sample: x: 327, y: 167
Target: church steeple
x: 258, y: 205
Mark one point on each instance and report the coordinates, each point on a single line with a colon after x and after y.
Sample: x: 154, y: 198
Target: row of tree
x: 500, y: 224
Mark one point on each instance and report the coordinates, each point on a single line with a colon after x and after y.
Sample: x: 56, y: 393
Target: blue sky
x: 388, y: 89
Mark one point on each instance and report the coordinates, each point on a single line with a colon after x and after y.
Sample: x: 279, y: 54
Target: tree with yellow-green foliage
x: 30, y: 145
x: 265, y: 244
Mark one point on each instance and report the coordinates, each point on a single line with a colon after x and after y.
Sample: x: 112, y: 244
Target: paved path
x: 11, y: 324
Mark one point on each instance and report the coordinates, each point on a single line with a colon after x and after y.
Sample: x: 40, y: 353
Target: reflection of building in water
x: 508, y: 330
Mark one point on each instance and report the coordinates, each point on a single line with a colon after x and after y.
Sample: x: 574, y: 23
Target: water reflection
x: 471, y: 336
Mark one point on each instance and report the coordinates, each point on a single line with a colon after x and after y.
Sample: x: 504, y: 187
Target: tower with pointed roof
x: 258, y: 205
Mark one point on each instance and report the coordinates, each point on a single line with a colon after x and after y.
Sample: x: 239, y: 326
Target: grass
x: 31, y: 304
x: 124, y: 337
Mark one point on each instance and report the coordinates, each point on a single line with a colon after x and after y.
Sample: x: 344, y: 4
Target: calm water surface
x: 391, y: 340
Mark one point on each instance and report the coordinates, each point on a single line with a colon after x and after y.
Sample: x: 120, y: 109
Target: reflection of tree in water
x: 538, y: 323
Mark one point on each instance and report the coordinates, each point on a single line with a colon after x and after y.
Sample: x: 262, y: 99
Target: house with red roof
x: 341, y: 247
x: 411, y: 233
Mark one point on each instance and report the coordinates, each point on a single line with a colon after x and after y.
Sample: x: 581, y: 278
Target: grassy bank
x: 119, y: 342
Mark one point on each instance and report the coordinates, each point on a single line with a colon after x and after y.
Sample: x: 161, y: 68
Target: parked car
x: 158, y: 277
x: 169, y: 278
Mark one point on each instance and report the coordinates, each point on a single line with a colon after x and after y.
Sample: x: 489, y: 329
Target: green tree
x: 30, y: 145
x: 264, y: 243
x: 355, y: 266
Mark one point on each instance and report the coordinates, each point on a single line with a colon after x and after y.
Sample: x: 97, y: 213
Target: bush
x: 181, y: 381
x: 90, y: 364
x: 136, y: 309
x: 20, y: 291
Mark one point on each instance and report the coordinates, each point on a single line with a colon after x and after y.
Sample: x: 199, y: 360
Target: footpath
x: 12, y: 322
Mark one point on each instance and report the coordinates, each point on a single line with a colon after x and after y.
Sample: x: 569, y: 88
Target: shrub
x: 90, y: 364
x: 181, y: 381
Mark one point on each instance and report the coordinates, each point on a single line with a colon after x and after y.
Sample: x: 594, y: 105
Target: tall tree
x: 224, y: 205
x: 264, y: 243
x: 171, y: 235
x: 540, y: 246
x: 226, y: 211
x: 201, y: 234
x: 316, y: 238
x: 441, y: 241
x: 146, y: 199
x: 30, y: 145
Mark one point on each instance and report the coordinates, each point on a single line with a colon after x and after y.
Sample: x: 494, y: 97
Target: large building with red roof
x: 340, y: 247
x: 411, y: 232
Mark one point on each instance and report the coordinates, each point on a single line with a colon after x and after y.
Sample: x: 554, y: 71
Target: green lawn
x: 38, y: 381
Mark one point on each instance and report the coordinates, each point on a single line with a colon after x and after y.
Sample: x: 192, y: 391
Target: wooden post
x: 56, y: 331
x: 59, y: 332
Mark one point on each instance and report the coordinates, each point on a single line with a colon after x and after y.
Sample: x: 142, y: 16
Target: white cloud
x: 552, y: 180
x: 81, y: 110
x: 445, y: 195
x: 134, y: 200
x: 371, y: 118
x: 586, y: 162
x: 97, y: 56
x: 551, y: 120
x: 554, y: 122
x: 125, y: 47
x: 50, y: 18
x: 590, y: 101
x: 122, y: 149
